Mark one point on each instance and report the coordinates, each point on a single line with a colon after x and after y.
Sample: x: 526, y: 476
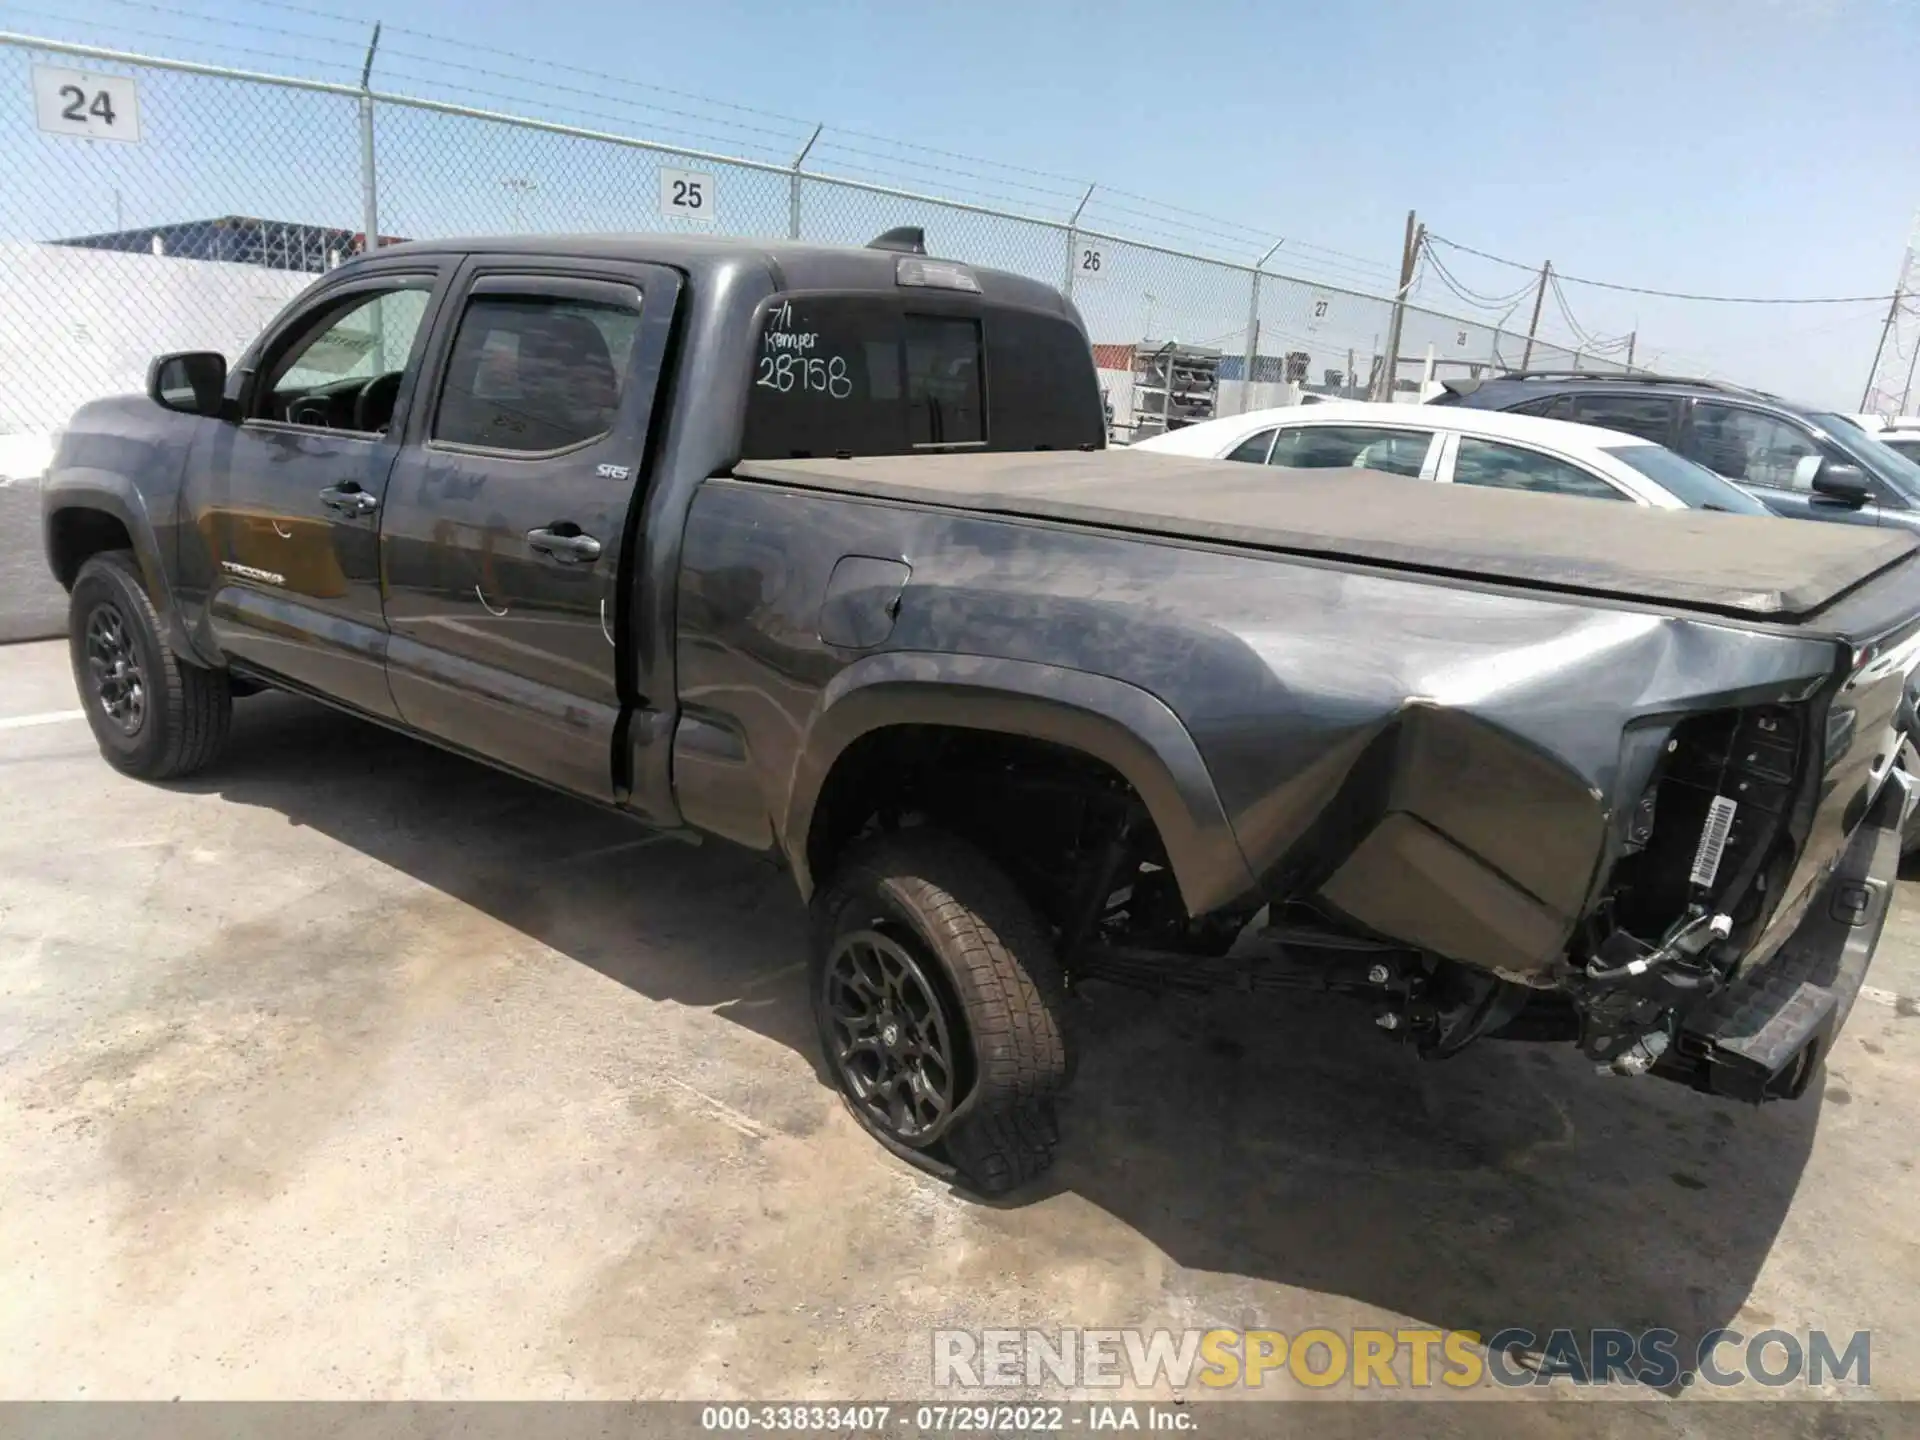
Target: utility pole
x: 1873, y: 373
x: 1409, y: 255
x: 1533, y: 325
x: 1633, y: 338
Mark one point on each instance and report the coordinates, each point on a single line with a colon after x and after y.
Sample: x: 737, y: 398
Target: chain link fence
x: 156, y: 205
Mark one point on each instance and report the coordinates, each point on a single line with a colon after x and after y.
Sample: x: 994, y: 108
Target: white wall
x: 77, y: 324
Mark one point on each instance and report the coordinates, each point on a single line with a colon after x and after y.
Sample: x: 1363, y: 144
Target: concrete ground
x: 353, y: 1069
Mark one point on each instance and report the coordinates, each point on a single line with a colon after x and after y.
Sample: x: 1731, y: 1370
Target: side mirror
x: 1844, y: 484
x: 192, y: 382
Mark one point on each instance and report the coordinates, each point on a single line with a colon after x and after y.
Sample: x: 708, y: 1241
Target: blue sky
x: 1767, y: 147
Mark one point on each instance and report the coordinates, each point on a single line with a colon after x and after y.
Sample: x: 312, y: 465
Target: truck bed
x: 1738, y: 565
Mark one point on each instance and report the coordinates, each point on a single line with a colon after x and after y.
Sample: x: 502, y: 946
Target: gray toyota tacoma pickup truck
x: 820, y: 551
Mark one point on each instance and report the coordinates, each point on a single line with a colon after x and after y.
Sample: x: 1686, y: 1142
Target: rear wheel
x: 153, y: 714
x: 940, y: 1005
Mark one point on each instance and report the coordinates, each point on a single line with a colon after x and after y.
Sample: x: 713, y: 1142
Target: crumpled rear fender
x: 1116, y: 723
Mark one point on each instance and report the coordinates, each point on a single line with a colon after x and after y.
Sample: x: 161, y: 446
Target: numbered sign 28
x: 1089, y: 263
x: 686, y: 195
x: 86, y: 106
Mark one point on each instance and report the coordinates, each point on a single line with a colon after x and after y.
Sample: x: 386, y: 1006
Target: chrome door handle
x: 567, y: 549
x: 353, y: 501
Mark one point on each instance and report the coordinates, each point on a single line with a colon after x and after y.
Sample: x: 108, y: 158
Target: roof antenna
x: 906, y: 239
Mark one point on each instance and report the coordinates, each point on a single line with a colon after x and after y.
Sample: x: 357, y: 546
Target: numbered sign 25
x: 86, y: 106
x: 686, y: 195
x: 1089, y: 263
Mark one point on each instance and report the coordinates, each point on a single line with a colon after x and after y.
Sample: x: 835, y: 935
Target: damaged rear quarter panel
x: 1441, y: 762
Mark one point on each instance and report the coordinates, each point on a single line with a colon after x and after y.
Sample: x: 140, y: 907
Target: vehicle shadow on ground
x: 1280, y: 1139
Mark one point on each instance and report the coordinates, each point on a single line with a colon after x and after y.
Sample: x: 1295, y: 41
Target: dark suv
x: 1800, y: 462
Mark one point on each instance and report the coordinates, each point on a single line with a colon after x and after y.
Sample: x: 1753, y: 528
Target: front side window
x: 1512, y: 467
x: 344, y: 372
x: 1748, y: 446
x: 535, y: 373
x: 1352, y: 447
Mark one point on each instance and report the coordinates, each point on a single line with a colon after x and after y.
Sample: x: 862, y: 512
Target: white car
x: 1899, y: 433
x: 1460, y: 446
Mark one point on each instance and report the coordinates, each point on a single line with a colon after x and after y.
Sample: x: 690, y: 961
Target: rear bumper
x: 1765, y: 1035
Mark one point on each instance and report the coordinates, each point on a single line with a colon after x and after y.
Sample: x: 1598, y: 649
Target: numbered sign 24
x: 86, y: 106
x: 686, y: 195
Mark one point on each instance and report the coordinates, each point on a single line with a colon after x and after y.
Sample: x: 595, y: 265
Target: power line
x: 1672, y: 294
x: 1587, y: 341
x: 1473, y: 297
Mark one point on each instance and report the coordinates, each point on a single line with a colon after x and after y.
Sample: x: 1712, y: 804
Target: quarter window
x: 1512, y: 467
x: 535, y: 373
x: 1746, y: 445
x: 1355, y: 447
x: 1253, y: 449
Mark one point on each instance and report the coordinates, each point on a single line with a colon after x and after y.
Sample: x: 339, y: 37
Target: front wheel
x: 940, y: 1008
x: 153, y: 714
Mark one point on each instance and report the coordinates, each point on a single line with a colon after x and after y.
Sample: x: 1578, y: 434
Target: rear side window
x: 1649, y: 416
x: 876, y: 374
x: 535, y: 373
x: 1513, y: 467
x: 1554, y: 407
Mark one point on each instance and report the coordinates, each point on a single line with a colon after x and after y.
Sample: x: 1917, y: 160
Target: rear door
x: 509, y: 513
x: 287, y: 502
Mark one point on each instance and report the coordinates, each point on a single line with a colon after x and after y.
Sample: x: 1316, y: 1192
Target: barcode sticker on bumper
x: 1713, y: 840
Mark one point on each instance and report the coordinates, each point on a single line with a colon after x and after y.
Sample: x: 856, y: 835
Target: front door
x: 507, y: 518
x: 1772, y: 458
x: 287, y: 503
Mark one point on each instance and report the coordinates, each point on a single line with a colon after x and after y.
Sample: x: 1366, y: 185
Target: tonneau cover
x: 1745, y: 565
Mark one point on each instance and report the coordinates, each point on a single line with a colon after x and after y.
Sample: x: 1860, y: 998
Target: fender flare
x: 115, y: 495
x: 1122, y: 725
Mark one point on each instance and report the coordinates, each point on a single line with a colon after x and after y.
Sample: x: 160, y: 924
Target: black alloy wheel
x: 114, y: 670
x: 890, y: 1039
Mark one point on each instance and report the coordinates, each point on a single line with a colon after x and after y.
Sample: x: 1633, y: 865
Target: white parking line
x: 51, y: 717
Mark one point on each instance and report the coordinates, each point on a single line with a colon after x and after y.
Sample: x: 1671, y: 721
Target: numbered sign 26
x: 1089, y: 263
x: 86, y: 106
x: 686, y: 195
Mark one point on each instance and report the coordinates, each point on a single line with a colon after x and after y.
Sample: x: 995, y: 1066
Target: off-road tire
x: 186, y: 709
x: 1003, y: 990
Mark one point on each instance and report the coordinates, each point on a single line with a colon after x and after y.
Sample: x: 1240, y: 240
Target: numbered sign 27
x: 86, y: 106
x: 686, y: 195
